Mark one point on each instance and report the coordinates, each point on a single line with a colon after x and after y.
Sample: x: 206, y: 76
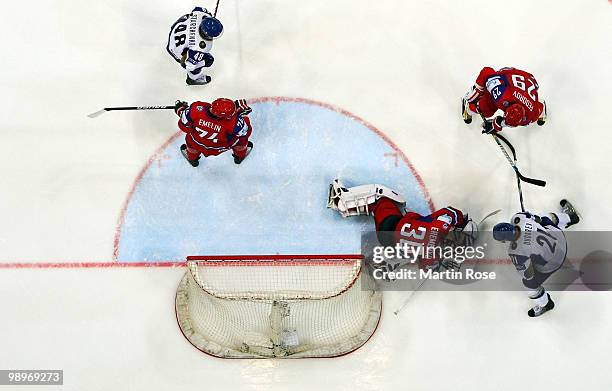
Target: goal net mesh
x: 277, y: 306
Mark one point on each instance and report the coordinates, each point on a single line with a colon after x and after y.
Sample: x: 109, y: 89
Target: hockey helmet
x: 515, y: 114
x: 223, y: 108
x: 210, y: 27
x: 504, y: 232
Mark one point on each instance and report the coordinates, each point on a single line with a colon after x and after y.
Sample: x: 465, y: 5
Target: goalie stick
x: 407, y: 299
x: 104, y: 110
x: 487, y: 216
x: 405, y: 303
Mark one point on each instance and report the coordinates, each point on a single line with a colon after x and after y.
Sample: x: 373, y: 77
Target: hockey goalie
x: 411, y: 228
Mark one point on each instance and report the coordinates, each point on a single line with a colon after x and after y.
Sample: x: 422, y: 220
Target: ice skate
x: 537, y: 310
x: 465, y: 113
x: 239, y: 160
x: 568, y: 208
x: 544, y: 115
x: 198, y: 82
x: 195, y: 162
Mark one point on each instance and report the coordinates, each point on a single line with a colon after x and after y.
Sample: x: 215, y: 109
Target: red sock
x: 192, y: 154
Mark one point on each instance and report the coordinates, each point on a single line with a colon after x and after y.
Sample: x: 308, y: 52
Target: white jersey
x: 185, y: 43
x: 541, y: 244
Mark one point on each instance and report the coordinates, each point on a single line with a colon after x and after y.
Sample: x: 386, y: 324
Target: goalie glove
x: 242, y: 107
x: 464, y: 235
x: 451, y: 265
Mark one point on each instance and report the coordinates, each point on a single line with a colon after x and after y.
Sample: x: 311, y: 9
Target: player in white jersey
x: 537, y: 248
x: 190, y: 41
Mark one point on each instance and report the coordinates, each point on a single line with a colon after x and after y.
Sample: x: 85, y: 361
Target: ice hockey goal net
x: 277, y: 306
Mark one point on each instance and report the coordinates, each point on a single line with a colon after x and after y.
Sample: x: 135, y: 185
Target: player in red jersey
x: 511, y: 90
x: 213, y: 128
x: 392, y: 226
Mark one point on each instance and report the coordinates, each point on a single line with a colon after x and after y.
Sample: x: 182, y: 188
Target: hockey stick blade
x: 407, y: 299
x: 512, y: 162
x: 533, y: 181
x: 489, y: 215
x: 97, y: 113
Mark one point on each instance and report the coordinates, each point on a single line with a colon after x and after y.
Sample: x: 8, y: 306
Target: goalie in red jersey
x: 510, y: 90
x: 213, y: 128
x: 393, y: 226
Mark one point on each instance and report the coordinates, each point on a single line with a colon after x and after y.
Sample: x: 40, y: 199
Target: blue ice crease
x: 275, y: 201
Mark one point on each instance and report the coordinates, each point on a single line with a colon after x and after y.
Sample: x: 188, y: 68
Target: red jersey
x: 414, y: 229
x: 505, y: 87
x: 417, y: 230
x: 427, y: 231
x: 209, y: 134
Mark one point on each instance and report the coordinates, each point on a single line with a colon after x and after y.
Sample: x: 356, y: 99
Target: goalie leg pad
x: 357, y: 200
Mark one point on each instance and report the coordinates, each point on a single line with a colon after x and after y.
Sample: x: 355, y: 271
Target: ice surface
x: 400, y: 65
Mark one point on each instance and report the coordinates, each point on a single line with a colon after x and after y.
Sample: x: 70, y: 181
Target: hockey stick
x: 104, y: 110
x: 487, y: 216
x: 405, y: 303
x: 216, y: 7
x: 533, y: 181
x: 519, y: 177
x: 516, y: 171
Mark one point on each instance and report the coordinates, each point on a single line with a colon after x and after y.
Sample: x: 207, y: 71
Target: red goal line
x: 275, y: 260
x: 220, y: 260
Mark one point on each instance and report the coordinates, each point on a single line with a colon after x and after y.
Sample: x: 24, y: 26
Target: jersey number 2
x: 528, y: 86
x: 547, y: 239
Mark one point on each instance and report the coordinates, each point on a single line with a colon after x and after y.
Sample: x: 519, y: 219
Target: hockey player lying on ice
x: 537, y: 249
x: 213, y: 128
x: 411, y: 228
x: 510, y: 90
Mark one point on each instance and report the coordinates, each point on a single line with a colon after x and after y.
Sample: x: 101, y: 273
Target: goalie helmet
x: 515, y: 114
x: 210, y: 28
x: 223, y: 108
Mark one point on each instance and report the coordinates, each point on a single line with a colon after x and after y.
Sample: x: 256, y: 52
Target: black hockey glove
x: 179, y: 106
x: 492, y: 126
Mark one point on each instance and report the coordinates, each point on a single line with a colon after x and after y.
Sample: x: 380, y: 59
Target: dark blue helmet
x: 503, y: 232
x: 211, y: 27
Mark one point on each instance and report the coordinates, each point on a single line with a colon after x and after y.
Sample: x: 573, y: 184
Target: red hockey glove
x: 242, y: 107
x: 179, y: 106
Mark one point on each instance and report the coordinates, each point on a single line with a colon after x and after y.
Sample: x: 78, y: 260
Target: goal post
x: 277, y: 306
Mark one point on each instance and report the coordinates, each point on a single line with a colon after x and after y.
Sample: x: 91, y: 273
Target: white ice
x: 401, y: 65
